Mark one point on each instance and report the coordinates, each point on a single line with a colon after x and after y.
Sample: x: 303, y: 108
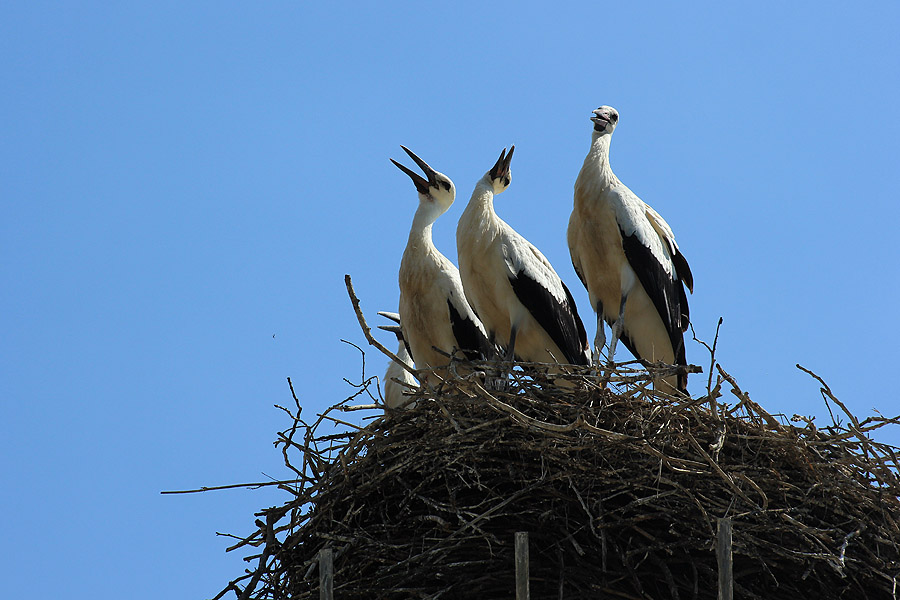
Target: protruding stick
x: 326, y: 574
x: 522, y: 592
x: 723, y: 553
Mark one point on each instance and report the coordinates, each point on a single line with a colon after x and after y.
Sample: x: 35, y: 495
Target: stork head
x: 434, y: 188
x: 605, y: 119
x: 500, y: 174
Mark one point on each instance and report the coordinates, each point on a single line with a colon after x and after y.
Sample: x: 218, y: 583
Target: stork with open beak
x: 625, y: 255
x: 434, y: 313
x: 522, y: 302
x: 397, y: 380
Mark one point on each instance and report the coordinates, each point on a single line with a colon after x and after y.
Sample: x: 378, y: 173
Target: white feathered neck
x: 428, y: 212
x: 596, y: 164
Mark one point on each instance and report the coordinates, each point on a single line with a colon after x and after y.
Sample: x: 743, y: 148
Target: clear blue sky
x: 184, y: 186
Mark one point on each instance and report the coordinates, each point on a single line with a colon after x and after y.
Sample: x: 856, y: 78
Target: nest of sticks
x: 621, y: 489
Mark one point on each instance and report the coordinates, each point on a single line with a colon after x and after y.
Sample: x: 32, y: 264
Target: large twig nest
x: 620, y: 490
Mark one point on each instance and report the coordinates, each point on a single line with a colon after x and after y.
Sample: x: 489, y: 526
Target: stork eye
x: 614, y: 117
x: 446, y: 185
x: 506, y: 181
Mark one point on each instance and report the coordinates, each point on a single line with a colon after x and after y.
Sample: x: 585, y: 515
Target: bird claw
x: 596, y: 358
x: 496, y: 384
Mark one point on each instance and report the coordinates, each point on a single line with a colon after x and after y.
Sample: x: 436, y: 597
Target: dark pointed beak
x: 421, y: 183
x: 501, y: 167
x: 395, y: 329
x: 395, y: 317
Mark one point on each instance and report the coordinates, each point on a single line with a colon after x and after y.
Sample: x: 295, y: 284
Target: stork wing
x: 649, y: 255
x: 682, y: 270
x: 470, y: 336
x: 668, y: 237
x: 542, y: 292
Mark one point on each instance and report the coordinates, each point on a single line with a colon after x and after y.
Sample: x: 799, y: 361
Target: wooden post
x: 522, y: 591
x: 326, y: 574
x: 723, y: 553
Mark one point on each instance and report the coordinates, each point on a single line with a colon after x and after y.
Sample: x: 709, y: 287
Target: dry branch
x: 619, y: 493
x: 620, y: 488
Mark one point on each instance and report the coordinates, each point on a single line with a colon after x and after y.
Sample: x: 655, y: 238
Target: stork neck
x: 483, y: 196
x: 599, y: 156
x: 426, y: 215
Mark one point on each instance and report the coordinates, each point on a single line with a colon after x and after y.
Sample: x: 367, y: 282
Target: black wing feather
x: 685, y: 311
x: 683, y: 270
x: 559, y: 319
x: 585, y: 349
x: 469, y: 338
x: 580, y: 276
x: 660, y: 286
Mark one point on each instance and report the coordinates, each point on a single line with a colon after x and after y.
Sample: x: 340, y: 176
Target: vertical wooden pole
x: 326, y: 574
x: 723, y: 553
x: 522, y: 591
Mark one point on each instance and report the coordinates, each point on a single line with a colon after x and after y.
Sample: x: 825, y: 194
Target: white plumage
x: 397, y: 380
x: 434, y: 313
x: 522, y: 302
x: 626, y: 256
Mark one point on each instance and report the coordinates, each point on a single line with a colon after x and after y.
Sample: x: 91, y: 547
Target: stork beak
x: 395, y: 317
x: 395, y: 329
x: 501, y: 167
x: 601, y: 118
x: 420, y: 182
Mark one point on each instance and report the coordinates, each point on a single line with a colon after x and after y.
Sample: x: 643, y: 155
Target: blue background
x: 184, y: 186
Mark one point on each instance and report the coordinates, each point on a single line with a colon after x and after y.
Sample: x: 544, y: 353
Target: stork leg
x: 501, y: 383
x: 617, y: 329
x: 511, y: 349
x: 495, y: 350
x: 600, y: 338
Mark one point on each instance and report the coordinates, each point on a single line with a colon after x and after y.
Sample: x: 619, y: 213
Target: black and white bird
x: 434, y: 313
x: 626, y: 256
x: 522, y: 302
x: 397, y: 380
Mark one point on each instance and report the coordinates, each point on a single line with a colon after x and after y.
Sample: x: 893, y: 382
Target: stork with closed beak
x: 626, y: 256
x: 522, y: 302
x: 434, y: 313
x: 397, y: 380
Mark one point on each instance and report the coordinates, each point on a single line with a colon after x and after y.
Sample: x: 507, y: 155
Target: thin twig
x: 367, y: 331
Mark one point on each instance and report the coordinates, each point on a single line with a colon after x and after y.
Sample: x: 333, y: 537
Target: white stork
x: 397, y: 380
x: 434, y: 314
x: 521, y: 300
x: 626, y: 256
